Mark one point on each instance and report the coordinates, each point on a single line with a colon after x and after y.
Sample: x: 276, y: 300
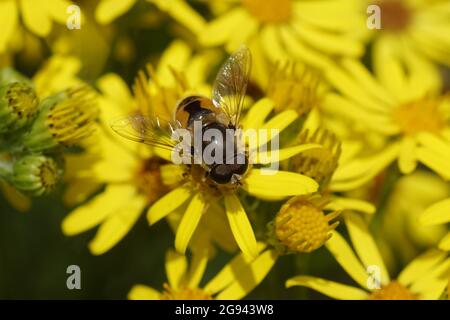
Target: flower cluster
x: 352, y: 172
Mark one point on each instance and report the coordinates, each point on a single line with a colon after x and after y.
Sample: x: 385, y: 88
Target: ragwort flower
x: 236, y: 279
x: 426, y: 277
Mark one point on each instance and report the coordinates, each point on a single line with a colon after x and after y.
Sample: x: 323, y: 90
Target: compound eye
x: 221, y: 173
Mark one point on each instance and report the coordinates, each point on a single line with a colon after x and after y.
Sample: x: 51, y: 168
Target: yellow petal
x: 189, y: 223
x: 142, y: 292
x: 437, y: 213
x: 444, y: 244
x: 420, y: 266
x: 431, y: 285
x: 268, y: 157
x: 329, y: 288
x: 434, y: 161
x: 279, y: 122
x: 340, y: 204
x: 330, y: 43
x: 117, y: 225
x: 365, y: 245
x: 407, y: 161
x: 171, y: 174
x: 240, y: 226
x: 118, y: 98
x: 296, y: 48
x: 176, y: 267
x: 343, y: 254
x: 221, y: 29
x: 388, y: 66
x: 278, y: 183
x: 59, y: 73
x: 96, y: 210
x: 8, y: 17
x: 198, y: 267
x: 258, y: 113
x: 35, y: 16
x: 167, y: 204
x: 108, y: 10
x: 180, y: 11
x: 227, y: 275
x: 57, y: 9
x: 246, y: 279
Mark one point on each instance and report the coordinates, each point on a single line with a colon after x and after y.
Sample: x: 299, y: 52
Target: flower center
x: 269, y: 11
x: 318, y: 164
x: 302, y: 226
x: 393, y: 291
x: 184, y: 293
x: 49, y: 174
x: 72, y: 119
x: 292, y: 87
x: 148, y: 179
x: 22, y: 99
x: 395, y: 14
x: 418, y: 116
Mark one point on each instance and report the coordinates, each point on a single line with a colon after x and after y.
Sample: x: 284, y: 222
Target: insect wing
x: 231, y: 84
x: 149, y: 130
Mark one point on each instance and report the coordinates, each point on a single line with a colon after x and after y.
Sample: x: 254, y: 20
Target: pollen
x: 318, y: 164
x: 302, y: 226
x: 23, y: 100
x: 269, y: 11
x: 49, y: 174
x: 148, y: 179
x: 72, y: 119
x: 184, y: 293
x: 295, y: 87
x: 393, y: 291
x: 395, y: 14
x: 419, y: 116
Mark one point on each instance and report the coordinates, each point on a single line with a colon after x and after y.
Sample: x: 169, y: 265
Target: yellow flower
x: 401, y: 229
x: 309, y: 31
x: 236, y: 279
x: 37, y: 16
x: 404, y: 108
x: 438, y: 213
x: 301, y: 225
x: 426, y: 277
x: 132, y: 173
x: 420, y: 26
x: 108, y: 10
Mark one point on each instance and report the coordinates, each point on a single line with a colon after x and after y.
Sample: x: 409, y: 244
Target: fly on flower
x: 221, y: 157
x: 226, y: 164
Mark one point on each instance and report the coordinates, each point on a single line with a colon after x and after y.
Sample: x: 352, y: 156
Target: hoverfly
x: 221, y: 113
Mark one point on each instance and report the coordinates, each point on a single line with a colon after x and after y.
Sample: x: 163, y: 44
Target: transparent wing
x: 231, y: 84
x: 153, y: 131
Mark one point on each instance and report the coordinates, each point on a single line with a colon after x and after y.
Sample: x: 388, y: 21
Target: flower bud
x: 301, y: 225
x: 36, y: 175
x: 18, y: 106
x: 318, y: 164
x: 64, y: 119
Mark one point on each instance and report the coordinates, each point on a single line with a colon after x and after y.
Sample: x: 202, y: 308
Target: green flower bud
x: 18, y: 106
x: 64, y: 119
x: 36, y: 175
